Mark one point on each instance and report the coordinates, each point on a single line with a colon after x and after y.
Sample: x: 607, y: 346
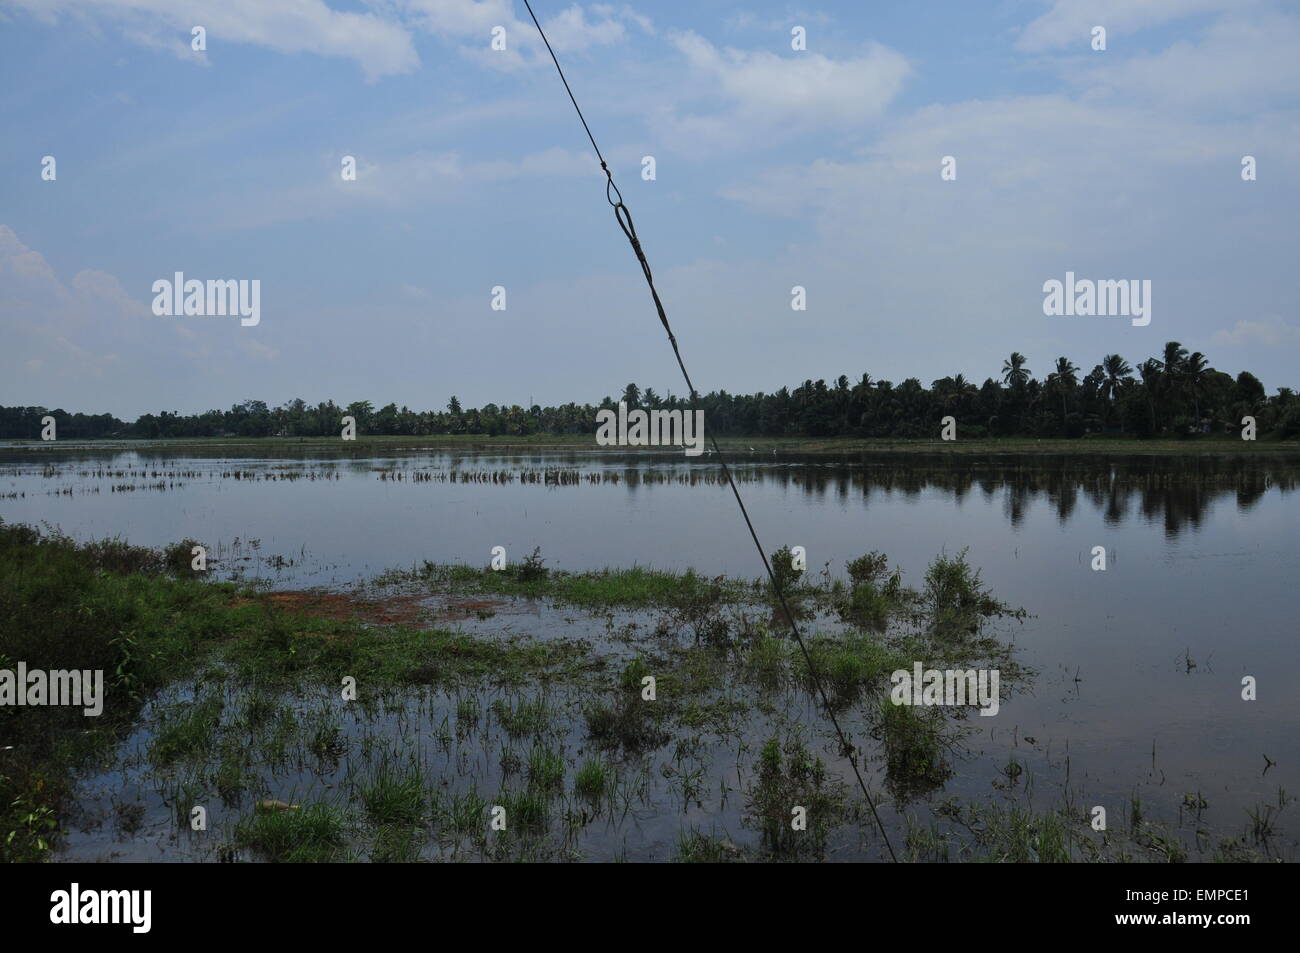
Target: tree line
x: 1175, y: 394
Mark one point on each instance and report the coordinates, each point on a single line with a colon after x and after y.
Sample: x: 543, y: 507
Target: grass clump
x: 314, y: 833
x: 593, y: 780
x: 792, y: 789
x: 395, y: 793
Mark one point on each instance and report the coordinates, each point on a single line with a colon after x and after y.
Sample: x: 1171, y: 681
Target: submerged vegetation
x: 681, y: 697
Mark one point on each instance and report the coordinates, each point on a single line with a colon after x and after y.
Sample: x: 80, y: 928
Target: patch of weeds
x: 545, y: 769
x: 522, y: 719
x: 187, y: 731
x: 232, y: 777
x: 27, y: 831
x: 956, y: 600
x: 464, y: 813
x: 699, y: 611
x: 787, y: 578
x: 525, y: 810
x: 767, y: 660
x: 531, y: 568
x: 314, y: 833
x: 129, y: 817
x: 847, y: 666
x: 396, y: 844
x: 915, y: 752
x: 694, y: 847
x: 394, y: 793
x: 789, y: 777
x: 592, y: 780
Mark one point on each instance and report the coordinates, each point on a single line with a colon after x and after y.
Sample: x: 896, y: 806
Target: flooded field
x: 1120, y: 688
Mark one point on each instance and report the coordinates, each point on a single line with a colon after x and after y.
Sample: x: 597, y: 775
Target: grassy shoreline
x: 738, y: 447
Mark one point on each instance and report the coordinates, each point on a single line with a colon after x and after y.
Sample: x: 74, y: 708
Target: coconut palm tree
x: 1195, y: 370
x: 1065, y: 379
x: 1150, y: 372
x: 1116, y: 370
x: 1014, y: 371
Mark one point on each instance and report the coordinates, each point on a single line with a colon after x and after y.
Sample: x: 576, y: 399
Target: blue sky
x: 775, y: 168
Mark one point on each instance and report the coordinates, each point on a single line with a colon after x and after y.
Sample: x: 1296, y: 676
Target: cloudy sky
x: 774, y: 168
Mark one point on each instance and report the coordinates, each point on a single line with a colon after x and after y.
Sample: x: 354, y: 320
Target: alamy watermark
x: 75, y: 906
x: 84, y: 689
x: 194, y: 297
x: 653, y: 428
x: 950, y: 687
x: 1128, y: 298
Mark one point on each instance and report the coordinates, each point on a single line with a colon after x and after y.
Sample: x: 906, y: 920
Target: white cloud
x: 380, y: 47
x: 1069, y: 22
x: 1240, y: 63
x: 89, y: 344
x: 1272, y: 334
x: 472, y: 22
x: 765, y: 97
x: 398, y: 182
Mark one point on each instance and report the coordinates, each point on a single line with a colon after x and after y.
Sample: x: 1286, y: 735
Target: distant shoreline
x: 734, y: 447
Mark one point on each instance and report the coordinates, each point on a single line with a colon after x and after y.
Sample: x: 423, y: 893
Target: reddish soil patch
x: 407, y: 610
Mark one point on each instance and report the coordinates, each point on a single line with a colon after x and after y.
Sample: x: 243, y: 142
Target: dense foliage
x: 1176, y: 394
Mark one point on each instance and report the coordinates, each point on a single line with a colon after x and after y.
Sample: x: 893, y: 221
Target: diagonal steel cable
x: 624, y: 218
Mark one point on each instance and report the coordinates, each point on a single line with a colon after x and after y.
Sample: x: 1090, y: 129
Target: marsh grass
x: 312, y: 834
x: 789, y: 776
x: 545, y: 769
x: 229, y: 670
x: 187, y: 730
x: 394, y: 792
x: 523, y: 718
x: 592, y: 781
x: 916, y: 749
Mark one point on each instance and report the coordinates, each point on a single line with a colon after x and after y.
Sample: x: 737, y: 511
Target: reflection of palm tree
x: 1014, y: 371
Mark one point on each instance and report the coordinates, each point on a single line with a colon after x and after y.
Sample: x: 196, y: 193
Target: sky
x: 774, y: 168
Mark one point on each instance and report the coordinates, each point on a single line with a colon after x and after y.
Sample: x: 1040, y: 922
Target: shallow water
x: 1139, y: 667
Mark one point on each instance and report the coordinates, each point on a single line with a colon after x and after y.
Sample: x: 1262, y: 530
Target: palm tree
x: 1195, y: 369
x: 1014, y: 371
x: 1149, y: 370
x: 1065, y: 379
x: 1116, y: 370
x: 1171, y: 375
x: 1175, y: 354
